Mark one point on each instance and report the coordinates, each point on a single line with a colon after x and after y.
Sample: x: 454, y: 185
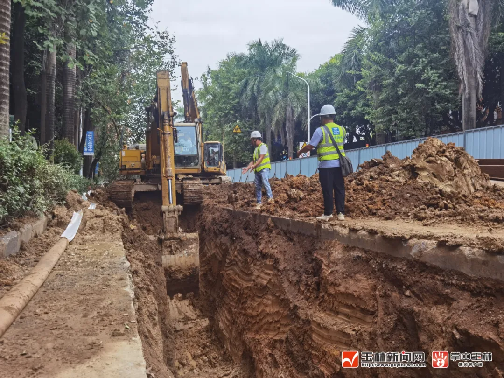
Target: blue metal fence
x: 484, y: 143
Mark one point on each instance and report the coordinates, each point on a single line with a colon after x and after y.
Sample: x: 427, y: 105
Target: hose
x: 12, y: 303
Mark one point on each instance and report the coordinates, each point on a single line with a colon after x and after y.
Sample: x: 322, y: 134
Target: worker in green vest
x: 330, y: 175
x: 261, y: 165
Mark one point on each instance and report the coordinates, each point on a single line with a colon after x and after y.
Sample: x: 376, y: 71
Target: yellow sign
x: 237, y: 129
x: 304, y: 145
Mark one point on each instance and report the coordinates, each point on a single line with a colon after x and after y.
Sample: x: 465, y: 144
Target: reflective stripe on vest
x: 265, y: 163
x: 326, y: 150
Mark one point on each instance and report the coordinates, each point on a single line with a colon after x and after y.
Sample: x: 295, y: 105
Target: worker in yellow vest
x: 330, y: 175
x: 261, y: 165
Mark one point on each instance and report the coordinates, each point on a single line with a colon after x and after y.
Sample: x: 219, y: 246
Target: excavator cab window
x: 213, y: 154
x: 186, y: 147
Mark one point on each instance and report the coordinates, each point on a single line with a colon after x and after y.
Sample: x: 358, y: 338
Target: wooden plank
x: 491, y: 162
x: 493, y: 170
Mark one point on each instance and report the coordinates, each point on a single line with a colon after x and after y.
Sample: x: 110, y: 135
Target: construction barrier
x: 484, y: 143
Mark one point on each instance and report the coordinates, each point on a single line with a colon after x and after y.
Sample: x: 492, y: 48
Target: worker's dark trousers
x: 331, y: 180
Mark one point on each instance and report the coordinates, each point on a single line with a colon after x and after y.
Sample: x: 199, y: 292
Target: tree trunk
x: 469, y: 96
x: 289, y: 126
x: 43, y: 99
x: 50, y: 98
x: 18, y: 82
x: 5, y: 21
x: 469, y: 104
x: 268, y: 136
x: 77, y: 117
x: 69, y: 77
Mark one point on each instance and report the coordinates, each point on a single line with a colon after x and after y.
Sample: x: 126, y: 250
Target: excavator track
x: 121, y: 193
x: 192, y: 191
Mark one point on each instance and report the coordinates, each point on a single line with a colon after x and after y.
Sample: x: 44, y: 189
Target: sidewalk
x: 81, y: 323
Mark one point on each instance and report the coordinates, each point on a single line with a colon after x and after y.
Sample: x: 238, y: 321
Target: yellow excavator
x: 174, y: 160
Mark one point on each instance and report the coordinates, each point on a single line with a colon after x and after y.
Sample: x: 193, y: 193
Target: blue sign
x: 89, y: 145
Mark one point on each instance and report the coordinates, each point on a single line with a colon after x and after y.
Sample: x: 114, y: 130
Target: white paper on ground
x: 92, y: 206
x: 89, y: 192
x: 73, y: 226
x: 84, y: 197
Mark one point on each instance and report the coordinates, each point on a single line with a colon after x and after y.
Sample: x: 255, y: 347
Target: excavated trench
x: 274, y: 303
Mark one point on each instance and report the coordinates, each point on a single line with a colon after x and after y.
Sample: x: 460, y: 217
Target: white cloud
x: 206, y: 30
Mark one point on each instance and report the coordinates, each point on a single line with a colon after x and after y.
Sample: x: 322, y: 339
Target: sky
x: 207, y: 30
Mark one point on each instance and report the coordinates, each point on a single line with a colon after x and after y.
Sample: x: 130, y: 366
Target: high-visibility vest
x: 265, y: 163
x: 325, y: 149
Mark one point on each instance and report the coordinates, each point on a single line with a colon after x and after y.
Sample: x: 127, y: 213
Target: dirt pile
x: 447, y: 167
x: 439, y: 183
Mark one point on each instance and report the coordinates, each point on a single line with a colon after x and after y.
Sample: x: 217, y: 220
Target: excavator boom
x: 168, y: 191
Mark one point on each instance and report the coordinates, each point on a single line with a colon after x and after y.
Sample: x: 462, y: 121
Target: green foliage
x: 253, y: 90
x: 28, y: 182
x: 396, y: 75
x: 66, y: 154
x: 221, y: 109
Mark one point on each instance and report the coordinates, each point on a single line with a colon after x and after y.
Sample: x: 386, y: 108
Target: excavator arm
x: 212, y: 152
x: 166, y: 115
x: 191, y: 111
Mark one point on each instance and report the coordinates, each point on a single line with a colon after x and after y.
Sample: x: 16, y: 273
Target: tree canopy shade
x: 470, y: 23
x: 86, y: 65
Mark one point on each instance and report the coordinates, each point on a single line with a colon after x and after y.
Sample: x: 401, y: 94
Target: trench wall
x: 286, y: 299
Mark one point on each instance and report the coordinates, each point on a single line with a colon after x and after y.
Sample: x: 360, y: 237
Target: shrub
x: 28, y: 182
x: 66, y: 154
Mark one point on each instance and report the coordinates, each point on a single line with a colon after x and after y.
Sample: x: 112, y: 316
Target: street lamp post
x: 308, y: 119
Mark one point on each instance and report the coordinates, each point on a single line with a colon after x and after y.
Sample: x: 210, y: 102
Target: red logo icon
x: 440, y: 359
x: 350, y: 359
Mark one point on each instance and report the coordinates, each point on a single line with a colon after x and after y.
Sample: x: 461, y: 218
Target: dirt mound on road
x: 447, y: 167
x: 438, y: 183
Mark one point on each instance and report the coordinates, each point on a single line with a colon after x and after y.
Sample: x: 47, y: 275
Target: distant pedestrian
x: 261, y: 165
x: 330, y: 174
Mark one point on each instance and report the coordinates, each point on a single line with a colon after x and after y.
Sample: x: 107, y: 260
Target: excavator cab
x: 213, y: 153
x: 186, y: 146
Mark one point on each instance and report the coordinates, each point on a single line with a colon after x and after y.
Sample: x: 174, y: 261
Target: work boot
x: 341, y: 216
x: 325, y: 218
x: 271, y: 200
x: 258, y: 206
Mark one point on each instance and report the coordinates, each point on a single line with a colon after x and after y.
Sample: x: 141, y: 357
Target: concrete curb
x: 468, y: 260
x: 11, y: 242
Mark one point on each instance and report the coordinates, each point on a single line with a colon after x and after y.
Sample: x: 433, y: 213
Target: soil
x: 438, y: 184
x: 81, y: 312
x: 177, y: 338
x: 288, y: 305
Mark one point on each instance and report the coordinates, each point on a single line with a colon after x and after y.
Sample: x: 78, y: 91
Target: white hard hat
x: 326, y: 110
x: 255, y: 134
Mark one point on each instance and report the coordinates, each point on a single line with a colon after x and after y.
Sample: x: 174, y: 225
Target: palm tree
x: 288, y: 103
x: 265, y: 62
x: 5, y: 21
